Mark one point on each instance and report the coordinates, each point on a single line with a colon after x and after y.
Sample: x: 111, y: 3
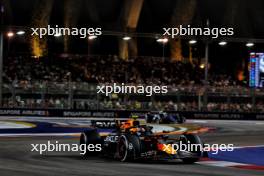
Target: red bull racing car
x: 130, y: 141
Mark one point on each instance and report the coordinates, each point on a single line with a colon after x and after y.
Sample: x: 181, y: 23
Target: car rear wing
x: 107, y: 124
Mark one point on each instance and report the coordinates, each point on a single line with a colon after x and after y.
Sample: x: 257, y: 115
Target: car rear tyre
x: 90, y: 138
x: 181, y: 119
x: 192, y: 139
x: 128, y: 147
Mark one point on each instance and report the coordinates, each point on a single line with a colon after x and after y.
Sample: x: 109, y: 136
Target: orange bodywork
x: 168, y: 148
x: 129, y: 124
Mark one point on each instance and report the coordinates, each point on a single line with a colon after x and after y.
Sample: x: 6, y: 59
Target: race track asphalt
x: 16, y: 158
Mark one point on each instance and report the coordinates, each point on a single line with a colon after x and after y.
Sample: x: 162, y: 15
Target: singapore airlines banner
x: 126, y: 114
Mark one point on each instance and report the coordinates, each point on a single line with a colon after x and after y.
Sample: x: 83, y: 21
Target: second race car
x: 163, y: 117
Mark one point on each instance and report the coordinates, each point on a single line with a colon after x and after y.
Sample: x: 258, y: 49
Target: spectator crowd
x: 108, y: 69
x: 32, y: 73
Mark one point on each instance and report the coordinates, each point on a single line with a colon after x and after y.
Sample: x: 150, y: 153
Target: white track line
x: 37, y: 134
x: 221, y: 163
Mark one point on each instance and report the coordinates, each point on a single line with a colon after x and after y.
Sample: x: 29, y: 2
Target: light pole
x: 163, y: 41
x: 206, y: 57
x: 1, y: 66
x: 70, y: 96
x: 1, y: 54
x: 90, y: 39
x: 206, y: 83
x: 206, y: 63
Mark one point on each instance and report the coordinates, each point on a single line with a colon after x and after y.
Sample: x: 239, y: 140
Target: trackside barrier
x: 127, y: 113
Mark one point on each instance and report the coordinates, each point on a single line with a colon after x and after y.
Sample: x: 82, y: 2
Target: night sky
x: 245, y: 16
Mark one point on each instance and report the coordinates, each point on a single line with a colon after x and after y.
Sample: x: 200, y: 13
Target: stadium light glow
x: 192, y: 42
x: 10, y: 34
x: 57, y: 35
x: 202, y: 66
x: 250, y: 44
x: 20, y: 32
x: 126, y: 38
x: 162, y: 40
x: 92, y: 37
x: 222, y: 43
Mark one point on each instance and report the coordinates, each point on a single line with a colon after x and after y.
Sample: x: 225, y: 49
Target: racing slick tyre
x: 148, y: 119
x: 181, y: 119
x: 194, y: 155
x: 128, y: 147
x: 157, y: 121
x: 87, y: 138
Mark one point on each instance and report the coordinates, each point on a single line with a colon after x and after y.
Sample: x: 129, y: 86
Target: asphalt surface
x: 16, y: 158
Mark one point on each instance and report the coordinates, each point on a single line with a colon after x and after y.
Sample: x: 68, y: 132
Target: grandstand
x: 203, y: 73
x: 46, y: 83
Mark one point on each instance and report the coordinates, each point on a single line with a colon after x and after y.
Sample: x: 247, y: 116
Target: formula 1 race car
x: 163, y: 117
x: 130, y: 141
